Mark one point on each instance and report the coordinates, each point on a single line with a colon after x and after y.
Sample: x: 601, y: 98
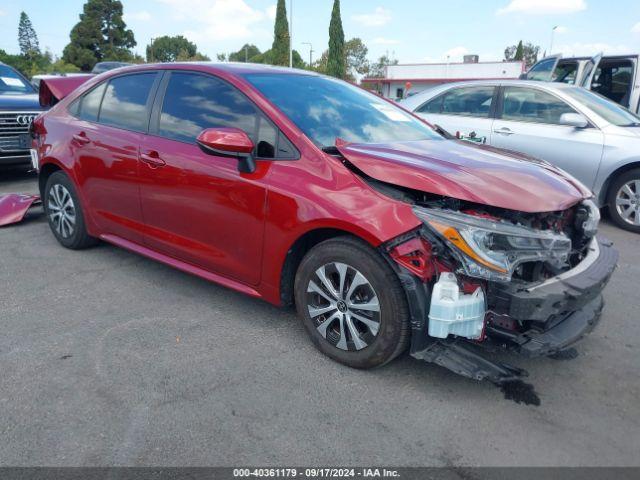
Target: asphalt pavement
x: 108, y: 358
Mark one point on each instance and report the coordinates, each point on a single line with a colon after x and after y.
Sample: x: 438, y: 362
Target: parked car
x: 301, y: 189
x: 592, y: 138
x: 615, y: 77
x: 18, y: 107
x: 102, y: 67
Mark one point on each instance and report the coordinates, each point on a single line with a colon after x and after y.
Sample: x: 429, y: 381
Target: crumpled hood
x: 473, y: 173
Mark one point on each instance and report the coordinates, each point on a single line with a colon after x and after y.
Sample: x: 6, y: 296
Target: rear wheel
x: 351, y: 303
x: 624, y: 200
x: 64, y: 213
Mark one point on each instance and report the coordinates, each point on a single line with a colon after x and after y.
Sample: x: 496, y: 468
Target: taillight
x: 415, y: 256
x: 36, y: 129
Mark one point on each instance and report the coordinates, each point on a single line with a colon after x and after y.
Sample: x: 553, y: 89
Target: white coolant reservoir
x: 453, y: 312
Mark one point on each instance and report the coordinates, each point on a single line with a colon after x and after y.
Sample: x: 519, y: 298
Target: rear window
x: 125, y: 102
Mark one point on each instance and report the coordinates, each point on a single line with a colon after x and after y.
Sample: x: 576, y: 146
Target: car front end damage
x: 536, y: 278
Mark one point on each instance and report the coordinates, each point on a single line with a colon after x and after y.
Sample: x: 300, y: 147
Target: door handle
x: 504, y: 131
x: 152, y: 158
x: 81, y: 138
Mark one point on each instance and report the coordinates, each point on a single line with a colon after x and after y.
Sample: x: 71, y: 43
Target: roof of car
x: 237, y: 68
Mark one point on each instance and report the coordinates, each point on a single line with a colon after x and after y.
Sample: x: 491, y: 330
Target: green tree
x: 246, y: 53
x: 377, y: 69
x: 356, y: 58
x: 336, y: 61
x: 529, y: 53
x: 172, y: 49
x: 100, y: 35
x: 27, y: 38
x: 280, y: 48
x: 519, y: 55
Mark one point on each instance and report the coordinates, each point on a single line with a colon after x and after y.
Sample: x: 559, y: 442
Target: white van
x: 615, y: 77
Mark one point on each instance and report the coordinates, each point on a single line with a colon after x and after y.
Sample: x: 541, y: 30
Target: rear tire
x: 64, y: 213
x: 623, y: 200
x: 363, y: 327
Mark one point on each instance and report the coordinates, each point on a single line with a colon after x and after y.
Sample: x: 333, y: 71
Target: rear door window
x: 194, y: 102
x: 126, y: 102
x: 531, y: 105
x: 89, y: 105
x: 469, y: 101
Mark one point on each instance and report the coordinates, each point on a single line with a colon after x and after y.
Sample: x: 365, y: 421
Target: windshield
x: 326, y: 109
x: 12, y: 82
x: 610, y: 111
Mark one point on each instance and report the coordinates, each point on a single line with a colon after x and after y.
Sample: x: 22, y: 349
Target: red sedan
x: 302, y: 189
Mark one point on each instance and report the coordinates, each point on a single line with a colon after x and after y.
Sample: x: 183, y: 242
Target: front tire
x: 623, y: 200
x: 351, y: 303
x: 64, y: 213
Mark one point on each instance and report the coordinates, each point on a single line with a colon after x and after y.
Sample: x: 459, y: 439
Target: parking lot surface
x: 108, y: 358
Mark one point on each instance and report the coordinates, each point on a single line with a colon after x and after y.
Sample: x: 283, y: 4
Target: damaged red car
x: 304, y: 190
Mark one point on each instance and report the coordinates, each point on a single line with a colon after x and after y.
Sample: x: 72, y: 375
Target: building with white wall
x: 407, y: 79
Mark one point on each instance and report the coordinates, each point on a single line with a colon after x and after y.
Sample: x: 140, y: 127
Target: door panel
x: 198, y: 208
x: 468, y: 128
x: 109, y: 164
x: 529, y: 124
x: 106, y: 137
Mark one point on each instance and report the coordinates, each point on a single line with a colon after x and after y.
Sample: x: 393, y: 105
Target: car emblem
x: 25, y: 120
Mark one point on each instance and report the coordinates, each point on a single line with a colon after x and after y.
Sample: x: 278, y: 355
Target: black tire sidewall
x: 79, y: 237
x: 616, y: 184
x: 392, y: 336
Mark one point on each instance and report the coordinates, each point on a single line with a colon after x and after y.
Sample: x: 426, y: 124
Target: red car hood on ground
x: 467, y: 172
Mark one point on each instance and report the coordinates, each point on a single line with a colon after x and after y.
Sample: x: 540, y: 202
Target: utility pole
x: 290, y: 33
x: 246, y: 54
x: 310, y: 52
x: 151, y: 51
x: 553, y: 30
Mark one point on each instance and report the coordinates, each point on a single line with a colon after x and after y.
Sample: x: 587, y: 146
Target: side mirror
x: 574, y: 120
x: 228, y: 142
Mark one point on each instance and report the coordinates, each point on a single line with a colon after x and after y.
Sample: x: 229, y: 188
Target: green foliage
x: 173, y: 49
x: 247, y: 52
x: 519, y: 55
x: 336, y: 61
x: 377, y: 69
x: 100, y: 35
x: 268, y: 58
x: 522, y: 51
x: 37, y: 64
x: 280, y: 49
x: 27, y: 38
x: 356, y: 58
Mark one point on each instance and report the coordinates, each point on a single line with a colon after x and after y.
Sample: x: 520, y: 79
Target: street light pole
x: 553, y: 30
x: 310, y: 52
x: 290, y: 33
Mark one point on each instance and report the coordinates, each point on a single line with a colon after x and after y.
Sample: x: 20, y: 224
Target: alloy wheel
x: 628, y: 202
x: 343, y: 306
x: 62, y: 211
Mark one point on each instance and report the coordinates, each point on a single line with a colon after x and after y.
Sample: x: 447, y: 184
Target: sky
x: 412, y: 31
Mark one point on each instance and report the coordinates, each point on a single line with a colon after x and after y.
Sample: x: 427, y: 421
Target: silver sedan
x: 589, y: 136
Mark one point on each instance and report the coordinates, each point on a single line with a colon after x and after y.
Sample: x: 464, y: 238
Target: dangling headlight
x: 493, y: 249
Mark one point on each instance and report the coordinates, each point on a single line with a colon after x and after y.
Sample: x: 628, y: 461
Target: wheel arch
x: 45, y: 172
x: 604, y: 191
x: 299, y: 248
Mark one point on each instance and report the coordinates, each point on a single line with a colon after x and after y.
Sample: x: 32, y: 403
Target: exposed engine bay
x: 484, y: 277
